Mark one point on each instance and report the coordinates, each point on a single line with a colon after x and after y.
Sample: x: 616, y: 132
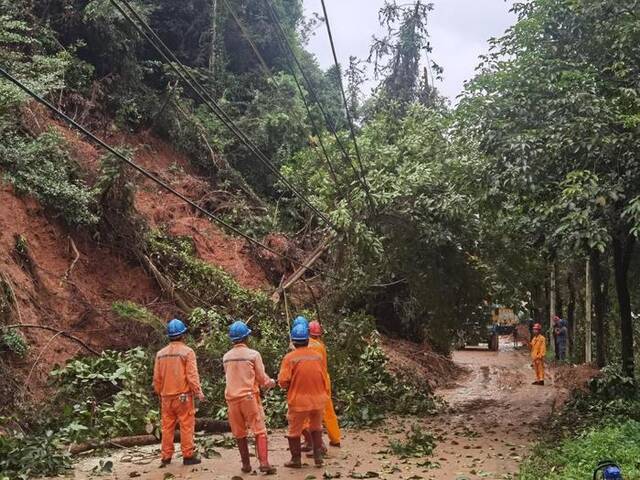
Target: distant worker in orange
x: 538, y: 352
x: 176, y: 381
x: 329, y: 418
x: 302, y: 374
x: 245, y: 374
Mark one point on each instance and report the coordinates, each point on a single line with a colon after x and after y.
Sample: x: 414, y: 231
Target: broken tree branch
x: 76, y: 257
x: 207, y: 425
x: 51, y: 329
x: 165, y: 285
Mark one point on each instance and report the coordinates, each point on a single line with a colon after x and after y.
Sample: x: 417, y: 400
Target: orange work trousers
x: 246, y: 414
x: 300, y: 420
x: 330, y: 420
x: 173, y: 411
x: 538, y: 367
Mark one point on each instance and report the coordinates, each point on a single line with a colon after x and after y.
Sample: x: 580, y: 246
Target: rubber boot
x: 296, y: 454
x: 323, y: 446
x: 262, y: 447
x: 317, y: 448
x: 308, y: 442
x: 243, y: 448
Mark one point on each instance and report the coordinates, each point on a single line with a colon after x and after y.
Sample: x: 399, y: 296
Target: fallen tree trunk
x: 202, y: 425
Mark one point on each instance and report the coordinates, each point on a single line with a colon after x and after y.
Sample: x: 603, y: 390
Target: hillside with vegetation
x: 241, y: 180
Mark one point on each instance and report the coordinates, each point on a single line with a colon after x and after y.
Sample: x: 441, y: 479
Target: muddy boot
x: 191, y: 461
x: 243, y: 448
x: 318, y: 447
x: 308, y: 442
x: 294, y: 448
x: 164, y: 462
x: 262, y: 448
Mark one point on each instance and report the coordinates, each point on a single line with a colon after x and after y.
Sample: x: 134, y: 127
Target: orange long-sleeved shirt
x: 302, y: 373
x: 244, y: 372
x: 538, y: 347
x: 176, y: 371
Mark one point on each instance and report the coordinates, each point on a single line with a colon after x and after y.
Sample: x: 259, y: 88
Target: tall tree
x: 555, y: 108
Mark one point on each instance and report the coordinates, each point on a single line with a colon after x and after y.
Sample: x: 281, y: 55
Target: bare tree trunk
x: 214, y: 37
x: 600, y: 281
x: 571, y: 312
x: 623, y: 244
x: 588, y: 302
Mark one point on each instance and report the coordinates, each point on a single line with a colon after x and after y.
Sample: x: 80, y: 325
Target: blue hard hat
x: 238, y: 331
x: 300, y: 332
x: 300, y: 320
x: 175, y: 328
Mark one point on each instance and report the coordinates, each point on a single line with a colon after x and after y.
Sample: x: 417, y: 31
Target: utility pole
x: 214, y: 37
x: 587, y: 313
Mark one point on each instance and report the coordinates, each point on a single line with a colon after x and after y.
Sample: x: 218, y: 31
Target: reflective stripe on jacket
x: 176, y: 371
x: 244, y: 372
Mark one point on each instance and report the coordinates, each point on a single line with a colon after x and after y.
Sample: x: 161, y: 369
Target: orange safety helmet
x: 537, y: 327
x: 315, y: 329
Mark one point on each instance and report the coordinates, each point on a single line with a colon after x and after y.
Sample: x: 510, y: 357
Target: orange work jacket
x: 175, y: 371
x: 244, y: 372
x: 302, y: 373
x: 538, y: 347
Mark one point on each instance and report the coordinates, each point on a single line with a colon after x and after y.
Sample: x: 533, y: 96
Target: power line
x: 149, y: 175
x: 200, y: 91
x: 344, y: 96
x: 265, y: 68
x: 314, y: 96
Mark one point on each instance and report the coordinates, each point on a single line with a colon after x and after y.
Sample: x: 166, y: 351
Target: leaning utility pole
x: 587, y: 313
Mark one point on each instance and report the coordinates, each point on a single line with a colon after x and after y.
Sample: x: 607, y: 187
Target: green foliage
x: 24, y: 457
x: 603, y: 423
x: 106, y: 396
x: 418, y: 443
x: 208, y: 285
x: 576, y: 458
x: 14, y: 342
x: 131, y: 310
x: 44, y: 169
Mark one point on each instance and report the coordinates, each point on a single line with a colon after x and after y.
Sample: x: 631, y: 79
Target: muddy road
x: 490, y: 423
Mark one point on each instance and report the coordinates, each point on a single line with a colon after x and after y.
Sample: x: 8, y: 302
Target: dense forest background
x: 426, y: 215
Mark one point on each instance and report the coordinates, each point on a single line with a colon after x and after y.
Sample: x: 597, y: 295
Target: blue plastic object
x: 175, y: 328
x: 300, y: 319
x: 239, y: 331
x: 609, y: 470
x: 300, y: 332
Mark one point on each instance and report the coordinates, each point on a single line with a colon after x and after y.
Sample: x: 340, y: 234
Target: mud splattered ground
x: 492, y: 419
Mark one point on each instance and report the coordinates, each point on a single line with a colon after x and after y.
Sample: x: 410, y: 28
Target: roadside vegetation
x: 439, y: 213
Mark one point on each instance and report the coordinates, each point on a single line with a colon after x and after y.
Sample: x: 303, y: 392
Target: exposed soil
x: 494, y: 416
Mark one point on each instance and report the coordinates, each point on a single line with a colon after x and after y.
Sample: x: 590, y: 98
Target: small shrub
x: 14, y: 342
x: 24, y: 457
x: 133, y: 311
x: 43, y: 168
x: 106, y: 396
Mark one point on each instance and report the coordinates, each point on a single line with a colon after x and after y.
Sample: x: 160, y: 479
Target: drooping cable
x: 344, y: 96
x: 188, y: 78
x: 292, y: 55
x: 267, y: 71
x: 149, y: 175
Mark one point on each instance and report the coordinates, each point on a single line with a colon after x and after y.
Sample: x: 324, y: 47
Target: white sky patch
x: 459, y: 32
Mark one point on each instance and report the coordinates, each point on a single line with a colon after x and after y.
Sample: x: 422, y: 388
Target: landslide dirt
x: 493, y: 418
x: 80, y: 301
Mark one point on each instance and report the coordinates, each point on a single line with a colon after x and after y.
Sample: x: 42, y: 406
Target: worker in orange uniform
x: 176, y: 381
x: 538, y: 352
x: 330, y: 418
x: 302, y: 375
x: 245, y: 374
